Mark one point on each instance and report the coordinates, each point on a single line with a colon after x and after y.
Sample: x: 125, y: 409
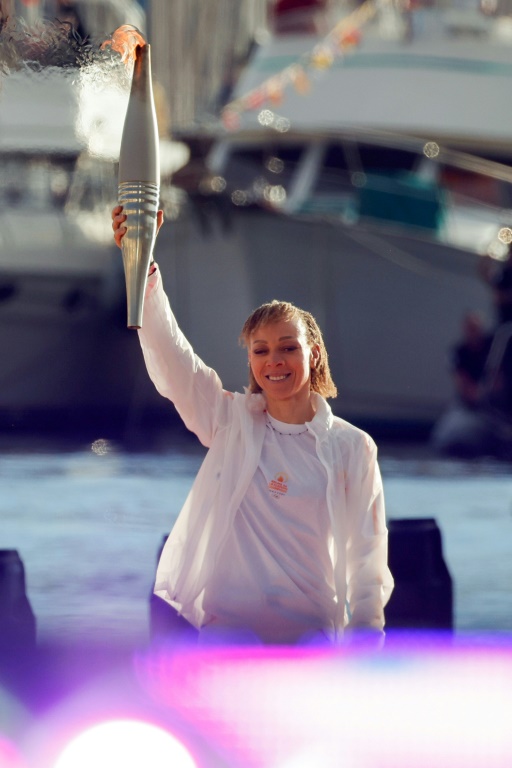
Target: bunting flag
x: 344, y: 36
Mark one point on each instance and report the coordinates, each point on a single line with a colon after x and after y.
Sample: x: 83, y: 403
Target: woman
x: 282, y: 538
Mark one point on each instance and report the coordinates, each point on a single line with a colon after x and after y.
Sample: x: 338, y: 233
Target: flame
x: 125, y: 40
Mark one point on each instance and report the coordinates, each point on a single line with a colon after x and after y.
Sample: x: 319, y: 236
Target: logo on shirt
x: 279, y: 485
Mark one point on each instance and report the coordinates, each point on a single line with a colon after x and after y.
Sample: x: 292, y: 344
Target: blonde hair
x: 275, y: 311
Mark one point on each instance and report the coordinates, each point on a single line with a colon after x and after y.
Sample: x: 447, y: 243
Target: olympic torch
x: 139, y: 184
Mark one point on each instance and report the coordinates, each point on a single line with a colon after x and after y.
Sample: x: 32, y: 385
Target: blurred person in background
x: 468, y: 360
x: 497, y: 274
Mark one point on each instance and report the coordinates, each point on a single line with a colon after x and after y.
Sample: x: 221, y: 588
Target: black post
x: 423, y: 594
x: 17, y: 621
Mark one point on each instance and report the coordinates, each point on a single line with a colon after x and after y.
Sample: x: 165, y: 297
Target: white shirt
x: 274, y: 575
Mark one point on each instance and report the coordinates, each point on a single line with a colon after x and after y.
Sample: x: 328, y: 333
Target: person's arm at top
x: 176, y: 371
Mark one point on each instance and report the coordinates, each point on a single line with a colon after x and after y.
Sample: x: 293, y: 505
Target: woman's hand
x: 118, y: 219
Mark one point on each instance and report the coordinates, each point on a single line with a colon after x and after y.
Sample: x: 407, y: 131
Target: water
x: 472, y: 504
x: 88, y: 523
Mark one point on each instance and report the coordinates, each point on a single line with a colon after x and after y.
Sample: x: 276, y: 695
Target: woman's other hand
x: 118, y: 219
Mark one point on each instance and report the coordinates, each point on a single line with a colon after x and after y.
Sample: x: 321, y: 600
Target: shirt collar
x: 320, y: 423
x: 323, y: 419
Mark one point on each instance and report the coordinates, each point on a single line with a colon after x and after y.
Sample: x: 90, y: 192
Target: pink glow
x: 419, y: 703
x: 9, y: 755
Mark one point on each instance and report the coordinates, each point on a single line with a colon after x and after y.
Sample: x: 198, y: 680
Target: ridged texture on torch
x: 140, y: 204
x: 139, y: 184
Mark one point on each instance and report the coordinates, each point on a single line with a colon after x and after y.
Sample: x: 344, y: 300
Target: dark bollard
x: 165, y: 624
x: 423, y: 594
x: 17, y: 621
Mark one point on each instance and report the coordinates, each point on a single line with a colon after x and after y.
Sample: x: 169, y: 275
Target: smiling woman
x: 286, y: 348
x: 283, y: 537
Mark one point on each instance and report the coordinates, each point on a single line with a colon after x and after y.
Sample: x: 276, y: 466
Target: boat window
x: 334, y: 173
x: 377, y: 159
x: 342, y: 161
x: 475, y: 187
x: 275, y: 165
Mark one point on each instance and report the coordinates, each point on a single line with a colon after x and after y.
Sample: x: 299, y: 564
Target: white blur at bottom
x: 129, y: 743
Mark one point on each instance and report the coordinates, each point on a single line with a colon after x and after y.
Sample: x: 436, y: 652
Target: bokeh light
x: 282, y: 124
x: 358, y: 179
x: 266, y: 117
x: 275, y: 165
x: 275, y: 194
x: 127, y: 743
x: 505, y: 235
x: 239, y: 197
x: 431, y: 149
x: 101, y: 447
x: 218, y: 184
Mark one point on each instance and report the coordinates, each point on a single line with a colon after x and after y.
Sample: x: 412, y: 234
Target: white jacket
x: 232, y: 426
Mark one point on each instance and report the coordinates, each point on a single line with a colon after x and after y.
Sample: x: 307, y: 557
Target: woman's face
x: 281, y: 360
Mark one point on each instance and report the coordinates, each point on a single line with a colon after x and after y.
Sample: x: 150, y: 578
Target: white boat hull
x: 390, y: 305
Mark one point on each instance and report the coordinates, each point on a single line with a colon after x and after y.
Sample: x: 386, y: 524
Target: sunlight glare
x: 129, y: 743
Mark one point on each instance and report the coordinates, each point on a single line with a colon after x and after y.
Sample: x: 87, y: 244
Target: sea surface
x: 88, y: 522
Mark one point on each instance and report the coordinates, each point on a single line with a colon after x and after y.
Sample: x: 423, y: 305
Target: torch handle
x: 140, y: 205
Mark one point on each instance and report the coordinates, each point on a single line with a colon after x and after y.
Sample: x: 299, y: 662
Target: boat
x: 67, y: 357
x: 367, y: 191
x: 363, y: 182
x: 56, y: 281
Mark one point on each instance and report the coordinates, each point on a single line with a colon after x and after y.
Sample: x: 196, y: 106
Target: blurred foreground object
x: 423, y: 594
x: 16, y: 617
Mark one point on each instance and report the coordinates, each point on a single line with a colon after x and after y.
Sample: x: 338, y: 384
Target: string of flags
x: 343, y: 37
